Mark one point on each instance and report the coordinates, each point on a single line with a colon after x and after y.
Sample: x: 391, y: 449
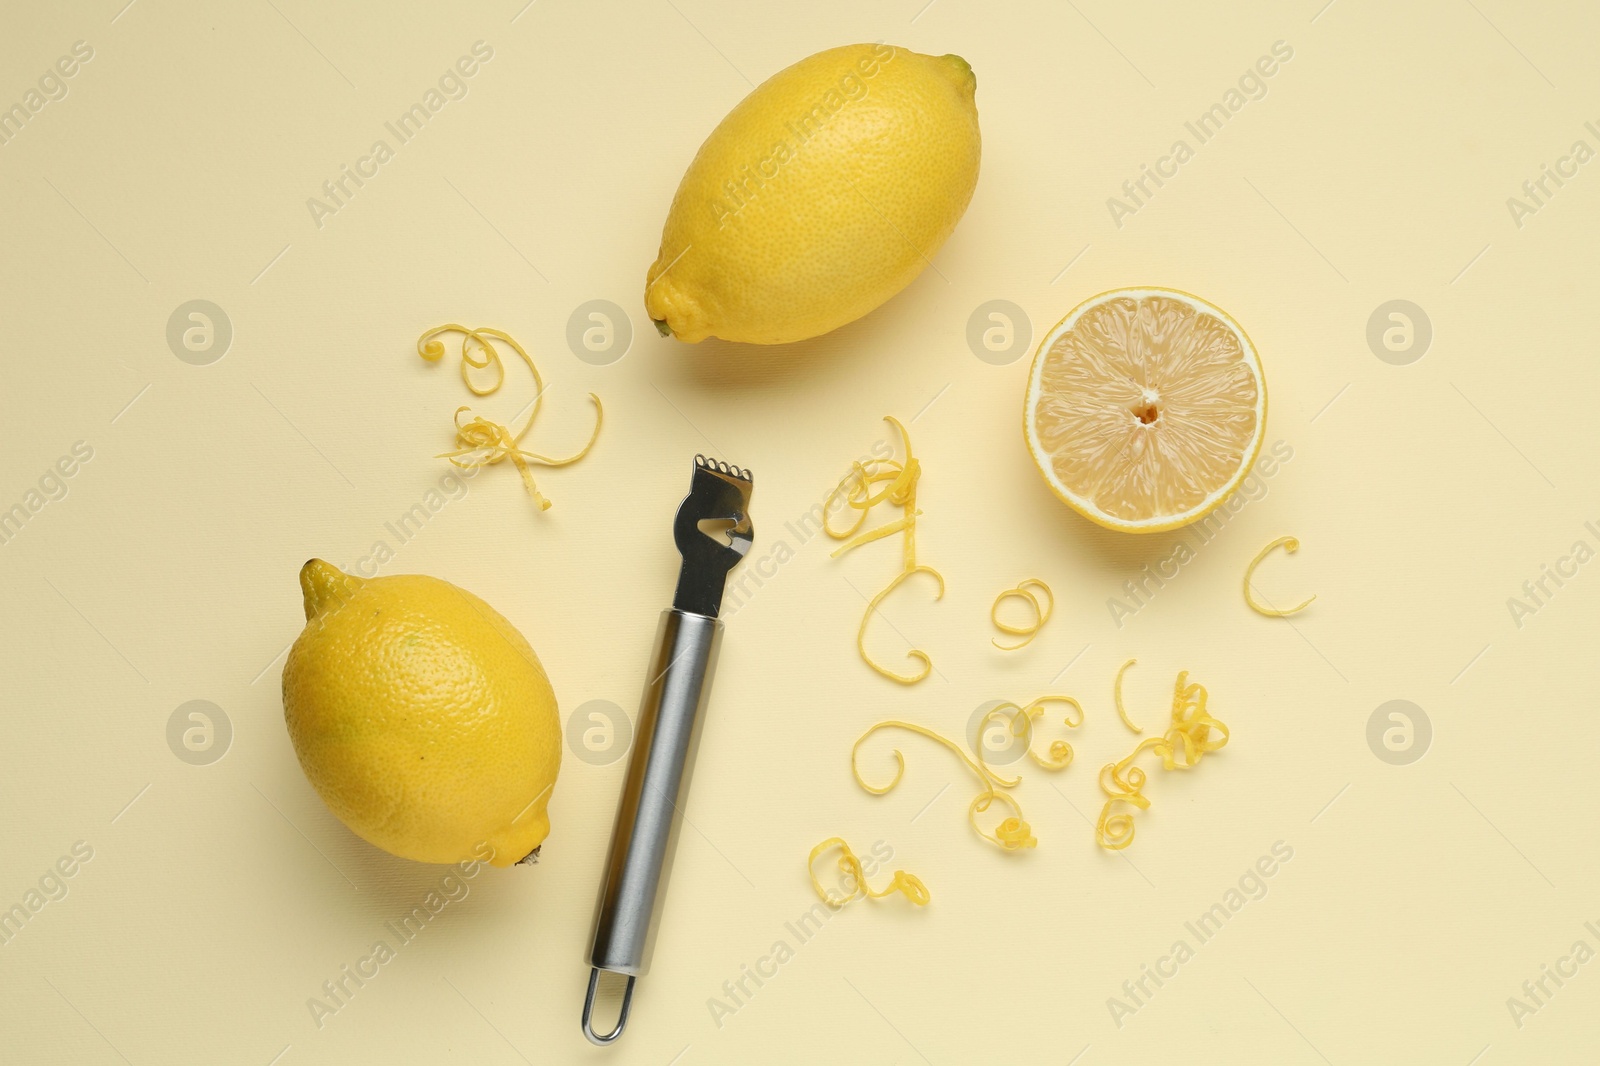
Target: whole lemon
x: 422, y: 717
x: 821, y: 195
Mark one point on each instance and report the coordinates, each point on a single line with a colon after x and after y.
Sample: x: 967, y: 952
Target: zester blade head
x: 713, y: 532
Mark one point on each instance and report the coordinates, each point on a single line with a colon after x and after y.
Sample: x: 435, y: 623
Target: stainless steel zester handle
x: 713, y: 532
x: 657, y: 784
x: 651, y: 812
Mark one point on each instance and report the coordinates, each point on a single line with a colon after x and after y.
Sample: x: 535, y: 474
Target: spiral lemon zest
x: 1290, y: 545
x: 484, y: 442
x: 908, y: 885
x: 915, y: 653
x: 868, y: 484
x: 1012, y: 834
x: 1193, y: 732
x: 1116, y: 694
x: 1041, y: 613
x: 1060, y: 752
x: 1020, y: 722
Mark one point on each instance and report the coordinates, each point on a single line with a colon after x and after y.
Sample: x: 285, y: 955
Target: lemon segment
x: 1145, y: 408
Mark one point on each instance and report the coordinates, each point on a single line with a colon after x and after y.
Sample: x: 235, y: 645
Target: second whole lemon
x: 421, y: 717
x: 822, y: 194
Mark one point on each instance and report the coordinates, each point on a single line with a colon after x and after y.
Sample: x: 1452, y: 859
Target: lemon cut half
x: 1145, y: 408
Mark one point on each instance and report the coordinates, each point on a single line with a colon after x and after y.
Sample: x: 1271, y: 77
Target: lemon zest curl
x: 908, y: 885
x: 1041, y: 613
x: 1012, y: 833
x: 1193, y: 733
x: 483, y: 442
x: 1060, y: 753
x: 868, y: 484
x: 1290, y: 545
x: 1116, y: 695
x: 915, y: 653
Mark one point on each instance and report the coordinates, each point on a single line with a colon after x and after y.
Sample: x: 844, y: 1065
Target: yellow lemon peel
x: 1060, y: 753
x: 1041, y: 613
x: 1193, y: 731
x: 1019, y: 724
x: 915, y: 653
x: 908, y: 885
x: 1116, y: 694
x: 868, y: 484
x: 484, y: 442
x: 1114, y: 830
x: 1012, y: 834
x: 1290, y: 545
x: 1192, y: 725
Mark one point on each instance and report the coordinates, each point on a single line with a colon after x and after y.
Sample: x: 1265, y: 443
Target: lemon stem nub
x: 662, y: 327
x: 323, y: 584
x: 963, y: 70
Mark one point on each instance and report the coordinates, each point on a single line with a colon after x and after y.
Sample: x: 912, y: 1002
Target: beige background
x: 220, y: 897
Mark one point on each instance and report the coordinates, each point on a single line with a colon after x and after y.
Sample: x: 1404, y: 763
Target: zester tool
x: 713, y: 532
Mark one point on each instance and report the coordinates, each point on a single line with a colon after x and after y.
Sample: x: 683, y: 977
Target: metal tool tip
x: 705, y: 462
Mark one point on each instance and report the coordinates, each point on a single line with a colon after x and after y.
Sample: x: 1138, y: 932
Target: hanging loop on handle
x: 598, y: 1039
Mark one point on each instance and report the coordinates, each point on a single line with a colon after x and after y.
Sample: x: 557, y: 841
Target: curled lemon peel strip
x: 868, y: 484
x: 1114, y: 831
x: 1020, y: 723
x: 432, y: 349
x: 855, y: 488
x: 1060, y: 752
x: 1116, y: 694
x: 1290, y: 545
x: 888, y: 529
x: 908, y: 885
x: 1012, y: 834
x: 1041, y: 613
x: 915, y: 653
x: 1123, y: 783
x: 484, y: 442
x: 1192, y: 726
x: 898, y: 481
x: 1193, y: 731
x: 984, y: 774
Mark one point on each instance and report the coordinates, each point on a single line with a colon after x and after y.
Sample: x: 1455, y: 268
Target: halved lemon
x: 1145, y: 408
